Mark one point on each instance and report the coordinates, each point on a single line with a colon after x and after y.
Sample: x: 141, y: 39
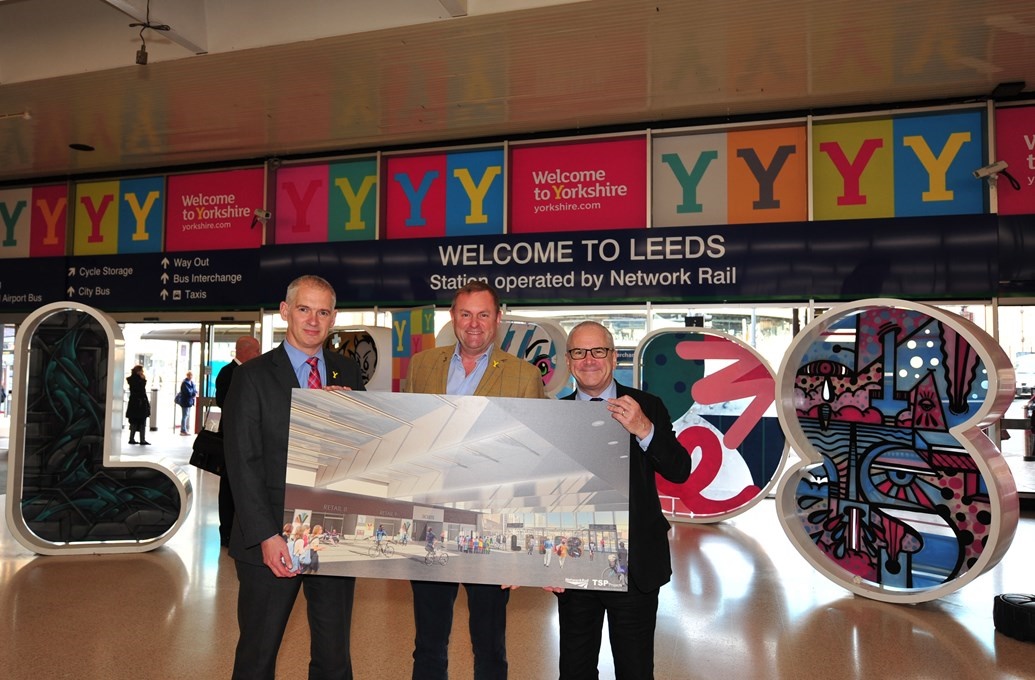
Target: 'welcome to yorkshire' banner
x: 895, y: 166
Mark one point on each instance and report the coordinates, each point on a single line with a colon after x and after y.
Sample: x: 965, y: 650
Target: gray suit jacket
x: 257, y: 414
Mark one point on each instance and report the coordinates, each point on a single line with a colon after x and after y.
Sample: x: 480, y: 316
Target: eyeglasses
x: 578, y: 353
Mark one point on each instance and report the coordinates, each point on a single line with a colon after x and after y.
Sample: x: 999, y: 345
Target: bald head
x: 247, y: 348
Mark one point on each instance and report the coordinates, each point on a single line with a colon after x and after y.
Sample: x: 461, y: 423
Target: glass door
x: 216, y: 350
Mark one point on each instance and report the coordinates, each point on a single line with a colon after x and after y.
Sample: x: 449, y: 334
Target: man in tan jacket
x: 474, y: 366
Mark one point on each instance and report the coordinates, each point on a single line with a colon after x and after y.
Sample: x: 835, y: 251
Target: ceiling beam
x: 456, y: 8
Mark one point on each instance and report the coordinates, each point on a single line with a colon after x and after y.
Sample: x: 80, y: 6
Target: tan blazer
x: 505, y: 376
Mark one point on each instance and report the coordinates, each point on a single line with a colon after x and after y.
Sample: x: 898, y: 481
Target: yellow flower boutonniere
x: 495, y: 364
x: 334, y: 374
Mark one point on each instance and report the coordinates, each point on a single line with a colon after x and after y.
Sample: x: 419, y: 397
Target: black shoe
x: 131, y: 441
x: 145, y: 443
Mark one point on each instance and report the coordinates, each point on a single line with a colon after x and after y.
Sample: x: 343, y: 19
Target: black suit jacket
x: 223, y: 380
x: 257, y: 416
x: 650, y: 562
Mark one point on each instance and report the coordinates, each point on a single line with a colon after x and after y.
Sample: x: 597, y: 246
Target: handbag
x: 208, y: 452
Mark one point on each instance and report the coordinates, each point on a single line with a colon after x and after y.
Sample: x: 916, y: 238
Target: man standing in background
x: 474, y: 366
x: 258, y: 415
x: 246, y: 348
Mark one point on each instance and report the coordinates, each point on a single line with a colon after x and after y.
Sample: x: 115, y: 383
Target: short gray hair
x: 310, y: 280
x: 597, y: 324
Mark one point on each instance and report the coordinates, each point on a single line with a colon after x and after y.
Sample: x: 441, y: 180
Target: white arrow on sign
x: 71, y: 291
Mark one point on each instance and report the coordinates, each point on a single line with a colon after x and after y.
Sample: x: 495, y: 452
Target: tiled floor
x: 743, y: 604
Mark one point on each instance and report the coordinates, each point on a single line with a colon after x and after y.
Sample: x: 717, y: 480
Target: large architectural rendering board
x: 461, y: 468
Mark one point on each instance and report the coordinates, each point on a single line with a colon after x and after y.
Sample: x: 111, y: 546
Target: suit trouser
x: 631, y: 619
x: 433, y: 616
x: 226, y: 509
x: 264, y: 604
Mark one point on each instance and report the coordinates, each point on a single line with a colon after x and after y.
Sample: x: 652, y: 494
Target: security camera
x: 990, y: 170
x: 264, y: 215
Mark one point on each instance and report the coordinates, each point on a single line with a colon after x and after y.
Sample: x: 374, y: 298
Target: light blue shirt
x: 611, y: 392
x: 297, y: 358
x: 460, y: 382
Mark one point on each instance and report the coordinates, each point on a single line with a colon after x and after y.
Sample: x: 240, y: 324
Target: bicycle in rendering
x: 614, y: 573
x: 382, y: 549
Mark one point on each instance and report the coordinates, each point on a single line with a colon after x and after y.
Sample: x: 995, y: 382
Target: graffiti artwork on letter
x: 725, y: 392
x: 900, y: 496
x: 366, y: 345
x: 68, y: 491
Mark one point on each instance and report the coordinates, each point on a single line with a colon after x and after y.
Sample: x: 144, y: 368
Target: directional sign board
x: 26, y: 285
x: 162, y: 281
x: 98, y: 280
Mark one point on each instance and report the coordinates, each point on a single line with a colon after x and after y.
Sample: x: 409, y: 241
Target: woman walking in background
x: 139, y: 408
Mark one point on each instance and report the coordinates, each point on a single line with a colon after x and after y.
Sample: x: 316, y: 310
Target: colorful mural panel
x: 720, y: 392
x: 301, y: 204
x: 899, y: 167
x: 459, y: 193
x: 326, y: 202
x: 899, y: 495
x: 15, y: 221
x: 32, y: 221
x: 413, y: 330
x: 119, y: 216
x: 729, y: 177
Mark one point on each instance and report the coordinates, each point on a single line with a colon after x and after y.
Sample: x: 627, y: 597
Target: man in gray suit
x: 257, y: 415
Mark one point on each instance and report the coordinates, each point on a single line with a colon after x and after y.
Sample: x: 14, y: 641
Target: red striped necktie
x: 314, y: 374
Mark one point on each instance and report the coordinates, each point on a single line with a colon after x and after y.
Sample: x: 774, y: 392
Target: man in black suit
x: 257, y: 417
x: 653, y: 448
x: 246, y: 348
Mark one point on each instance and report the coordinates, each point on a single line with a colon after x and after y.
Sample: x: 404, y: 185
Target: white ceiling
x: 471, y: 452
x: 283, y: 77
